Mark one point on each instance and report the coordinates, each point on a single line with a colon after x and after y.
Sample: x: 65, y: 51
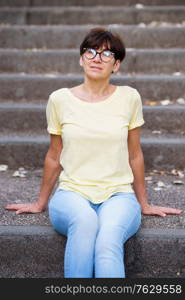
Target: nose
x: 97, y: 57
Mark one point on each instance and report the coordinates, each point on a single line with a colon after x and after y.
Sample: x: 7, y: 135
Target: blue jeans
x: 95, y: 233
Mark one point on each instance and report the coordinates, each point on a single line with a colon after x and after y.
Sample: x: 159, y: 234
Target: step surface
x: 86, y: 3
x: 30, y: 119
x: 71, y: 36
x: 31, y: 150
x: 22, y: 190
x: 23, y: 88
x: 93, y: 15
x: 148, y: 61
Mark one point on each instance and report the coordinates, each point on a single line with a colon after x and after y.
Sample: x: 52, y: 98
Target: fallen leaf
x: 181, y: 101
x: 156, y: 131
x: 20, y: 173
x: 165, y: 102
x: 139, y: 5
x: 180, y: 174
x: 157, y: 189
x: 3, y: 168
x: 178, y: 182
x: 177, y: 173
x: 148, y: 178
x: 177, y: 73
x: 174, y: 172
x: 151, y: 102
x: 160, y: 184
x: 141, y: 25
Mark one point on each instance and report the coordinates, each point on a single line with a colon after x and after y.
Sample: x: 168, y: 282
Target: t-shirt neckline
x: 108, y: 99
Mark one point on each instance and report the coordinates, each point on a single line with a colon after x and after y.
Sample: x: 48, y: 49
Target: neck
x: 96, y: 88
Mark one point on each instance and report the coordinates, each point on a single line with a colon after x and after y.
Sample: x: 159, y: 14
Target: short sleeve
x: 53, y: 123
x: 137, y: 112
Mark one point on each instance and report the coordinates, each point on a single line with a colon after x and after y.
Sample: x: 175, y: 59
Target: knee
x: 107, y: 238
x: 85, y: 222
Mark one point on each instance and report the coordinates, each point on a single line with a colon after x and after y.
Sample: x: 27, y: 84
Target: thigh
x: 122, y: 213
x: 67, y: 208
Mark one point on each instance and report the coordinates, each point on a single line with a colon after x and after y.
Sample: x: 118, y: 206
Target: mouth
x: 97, y: 68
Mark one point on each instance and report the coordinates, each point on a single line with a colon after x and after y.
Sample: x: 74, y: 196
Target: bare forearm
x: 51, y: 173
x: 137, y: 166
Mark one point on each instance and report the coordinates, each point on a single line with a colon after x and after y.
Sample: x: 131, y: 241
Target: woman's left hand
x: 159, y: 210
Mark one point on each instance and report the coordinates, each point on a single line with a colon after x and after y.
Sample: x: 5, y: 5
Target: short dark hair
x: 100, y: 36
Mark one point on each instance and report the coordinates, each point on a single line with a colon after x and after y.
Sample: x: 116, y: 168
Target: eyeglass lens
x: 105, y: 55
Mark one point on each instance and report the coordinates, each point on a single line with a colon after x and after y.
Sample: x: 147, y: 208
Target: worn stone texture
x: 39, y: 52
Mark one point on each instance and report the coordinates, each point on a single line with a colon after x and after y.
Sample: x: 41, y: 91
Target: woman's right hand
x: 26, y: 208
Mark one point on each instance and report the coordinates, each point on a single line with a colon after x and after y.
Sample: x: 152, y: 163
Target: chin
x: 94, y: 75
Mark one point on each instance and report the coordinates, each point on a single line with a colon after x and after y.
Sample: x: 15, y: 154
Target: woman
x: 96, y: 153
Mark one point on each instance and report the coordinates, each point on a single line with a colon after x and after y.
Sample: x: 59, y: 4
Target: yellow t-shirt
x: 94, y: 157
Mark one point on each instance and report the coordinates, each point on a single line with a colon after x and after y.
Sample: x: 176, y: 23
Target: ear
x: 116, y: 66
x: 80, y: 61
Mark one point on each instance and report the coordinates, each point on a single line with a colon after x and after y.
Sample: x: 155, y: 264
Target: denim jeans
x: 95, y: 233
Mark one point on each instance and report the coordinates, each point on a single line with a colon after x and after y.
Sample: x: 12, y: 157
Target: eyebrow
x: 101, y: 50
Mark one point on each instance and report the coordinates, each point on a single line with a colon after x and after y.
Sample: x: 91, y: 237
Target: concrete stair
x: 39, y: 52
x: 31, y: 248
x: 41, y: 3
x: 138, y: 61
x: 90, y: 15
x: 35, y: 88
x: 69, y: 36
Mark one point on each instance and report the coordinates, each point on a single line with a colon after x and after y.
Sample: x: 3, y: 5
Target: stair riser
x: 37, y: 87
x: 40, y: 253
x: 23, y: 120
x: 33, y: 255
x: 150, y: 255
x: 85, y: 2
x: 34, y: 120
x: 59, y: 37
x: 158, y: 155
x: 91, y: 16
x: 67, y: 61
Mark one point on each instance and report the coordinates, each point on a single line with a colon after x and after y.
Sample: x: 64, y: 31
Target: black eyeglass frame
x: 113, y: 54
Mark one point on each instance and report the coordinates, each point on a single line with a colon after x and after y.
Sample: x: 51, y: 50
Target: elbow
x: 53, y: 158
x: 136, y: 156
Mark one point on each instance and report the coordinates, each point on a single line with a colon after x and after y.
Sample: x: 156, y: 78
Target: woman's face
x: 96, y: 68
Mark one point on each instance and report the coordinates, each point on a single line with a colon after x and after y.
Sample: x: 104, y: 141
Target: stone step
x: 69, y: 36
x: 41, y: 133
x: 31, y: 119
x: 38, y: 252
x: 91, y: 15
x: 30, y: 247
x: 21, y: 88
x: 148, y: 61
x: 160, y: 151
x: 20, y: 3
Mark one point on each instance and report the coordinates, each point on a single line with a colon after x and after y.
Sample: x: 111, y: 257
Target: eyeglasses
x: 105, y: 55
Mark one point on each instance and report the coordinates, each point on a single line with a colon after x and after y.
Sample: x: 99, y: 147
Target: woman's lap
x: 121, y: 209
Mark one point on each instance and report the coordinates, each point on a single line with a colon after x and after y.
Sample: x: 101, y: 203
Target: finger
x: 159, y: 211
x: 25, y: 209
x: 16, y: 206
x: 161, y: 214
x: 172, y: 210
x: 155, y: 212
x: 22, y: 210
x: 12, y: 206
